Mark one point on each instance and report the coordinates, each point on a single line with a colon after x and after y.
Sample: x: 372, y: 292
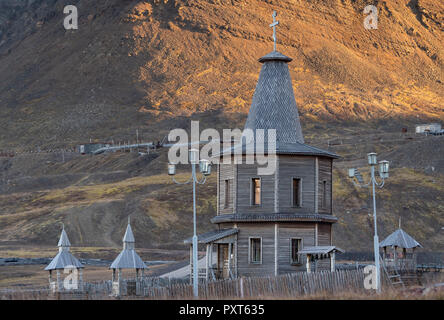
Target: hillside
x: 93, y: 195
x: 152, y: 65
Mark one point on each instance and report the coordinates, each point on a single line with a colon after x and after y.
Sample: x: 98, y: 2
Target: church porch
x: 314, y: 254
x: 220, y: 254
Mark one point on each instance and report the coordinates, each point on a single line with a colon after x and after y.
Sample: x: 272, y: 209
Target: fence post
x: 242, y: 287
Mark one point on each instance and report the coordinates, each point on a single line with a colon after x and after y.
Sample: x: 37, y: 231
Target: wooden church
x: 278, y: 223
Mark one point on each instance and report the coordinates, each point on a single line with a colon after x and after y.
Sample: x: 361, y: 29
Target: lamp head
x: 372, y: 159
x: 171, y: 169
x: 193, y: 156
x: 205, y: 167
x: 351, y: 172
x: 384, y: 169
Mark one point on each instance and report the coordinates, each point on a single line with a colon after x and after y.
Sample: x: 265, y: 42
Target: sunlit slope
x: 154, y: 64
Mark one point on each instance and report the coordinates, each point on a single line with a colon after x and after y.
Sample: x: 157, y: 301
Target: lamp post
x: 383, y: 173
x: 205, y: 169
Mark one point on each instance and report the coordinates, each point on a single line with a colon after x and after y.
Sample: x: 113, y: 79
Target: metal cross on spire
x: 273, y: 25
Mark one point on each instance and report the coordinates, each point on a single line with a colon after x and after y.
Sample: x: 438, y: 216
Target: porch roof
x: 211, y: 236
x: 320, y: 250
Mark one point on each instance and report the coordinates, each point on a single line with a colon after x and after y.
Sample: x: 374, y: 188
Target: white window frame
x: 249, y: 251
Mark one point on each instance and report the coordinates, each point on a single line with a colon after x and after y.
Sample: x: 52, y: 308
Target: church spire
x: 64, y: 243
x: 128, y: 238
x: 128, y: 258
x: 274, y: 105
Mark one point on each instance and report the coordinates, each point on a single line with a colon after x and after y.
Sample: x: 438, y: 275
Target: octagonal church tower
x: 281, y: 222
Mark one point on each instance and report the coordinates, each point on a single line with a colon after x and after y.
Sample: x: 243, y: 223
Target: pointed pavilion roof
x: 128, y: 257
x: 129, y: 236
x: 64, y: 258
x: 64, y: 241
x: 400, y: 239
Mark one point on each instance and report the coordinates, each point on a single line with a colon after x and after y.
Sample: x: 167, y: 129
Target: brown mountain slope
x: 93, y: 196
x: 153, y: 64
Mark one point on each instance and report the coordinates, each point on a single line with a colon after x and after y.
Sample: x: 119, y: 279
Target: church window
x: 256, y: 191
x: 255, y: 250
x: 297, y: 192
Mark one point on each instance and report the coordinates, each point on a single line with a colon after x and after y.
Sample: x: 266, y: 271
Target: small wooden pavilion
x: 127, y: 259
x: 399, y: 251
x: 65, y: 261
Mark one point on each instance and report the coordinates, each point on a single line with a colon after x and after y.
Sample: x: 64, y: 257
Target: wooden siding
x: 226, y: 225
x: 260, y: 230
x: 245, y: 174
x: 289, y: 167
x: 302, y: 167
x: 227, y: 172
x: 304, y: 231
x: 324, y: 231
x: 325, y: 166
x: 286, y: 231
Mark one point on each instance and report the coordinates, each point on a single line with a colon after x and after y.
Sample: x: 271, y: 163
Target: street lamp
x: 205, y: 169
x: 384, y: 174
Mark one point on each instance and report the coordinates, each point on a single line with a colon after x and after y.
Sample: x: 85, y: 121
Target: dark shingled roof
x: 268, y: 217
x: 213, y: 235
x: 275, y: 56
x: 273, y: 105
x: 281, y: 148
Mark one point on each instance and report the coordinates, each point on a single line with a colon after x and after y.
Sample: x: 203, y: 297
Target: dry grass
x: 346, y: 295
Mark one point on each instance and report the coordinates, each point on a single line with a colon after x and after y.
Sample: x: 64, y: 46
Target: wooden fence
x: 284, y: 286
